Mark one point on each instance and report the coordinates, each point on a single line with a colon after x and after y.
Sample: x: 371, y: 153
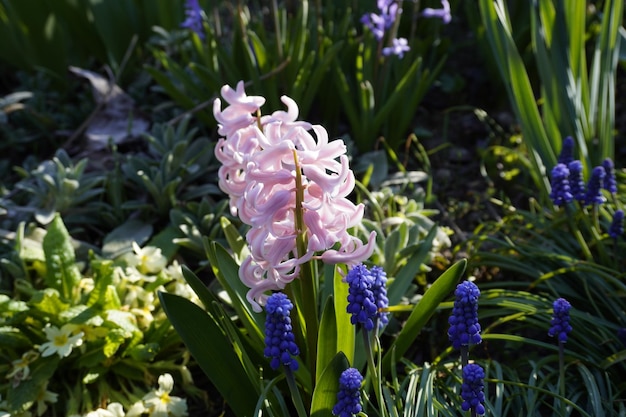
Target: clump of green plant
x: 319, y: 52
x: 81, y: 333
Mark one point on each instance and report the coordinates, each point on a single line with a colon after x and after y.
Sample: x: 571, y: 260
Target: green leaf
x: 346, y: 333
x: 327, y: 339
x: 25, y: 394
x: 405, y: 277
x: 431, y: 299
x: 325, y: 394
x: 49, y: 301
x: 62, y: 272
x: 121, y: 239
x: 211, y: 349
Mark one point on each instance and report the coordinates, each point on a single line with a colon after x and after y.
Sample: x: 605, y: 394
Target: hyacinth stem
x: 577, y: 233
x: 464, y: 356
x: 562, y: 369
x: 373, y: 371
x: 308, y: 300
x: 295, y: 393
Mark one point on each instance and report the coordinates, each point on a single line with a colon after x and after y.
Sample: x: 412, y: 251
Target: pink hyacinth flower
x: 259, y: 174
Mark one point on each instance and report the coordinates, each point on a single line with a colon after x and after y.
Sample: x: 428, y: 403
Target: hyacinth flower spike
x: 464, y: 327
x: 349, y: 395
x: 567, y: 151
x: 280, y: 343
x: 616, y: 230
x: 576, y: 181
x: 367, y: 302
x: 559, y: 182
x: 472, y: 390
x: 560, y: 327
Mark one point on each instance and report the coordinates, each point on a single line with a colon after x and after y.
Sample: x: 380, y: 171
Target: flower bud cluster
x: 280, y: 342
x: 559, y: 325
x: 265, y: 160
x: 464, y: 327
x: 349, y: 396
x: 472, y: 389
x: 367, y: 296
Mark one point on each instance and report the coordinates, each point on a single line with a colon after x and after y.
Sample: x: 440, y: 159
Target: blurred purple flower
x: 560, y: 193
x: 400, y: 46
x: 567, y: 151
x: 616, y: 230
x: 609, y: 183
x: 576, y: 182
x: 194, y: 13
x: 443, y: 13
x: 594, y: 187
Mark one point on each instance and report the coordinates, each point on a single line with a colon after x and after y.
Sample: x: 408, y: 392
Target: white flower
x: 161, y: 404
x: 136, y: 409
x: 21, y: 370
x: 113, y: 410
x: 43, y: 397
x: 150, y: 260
x: 60, y: 341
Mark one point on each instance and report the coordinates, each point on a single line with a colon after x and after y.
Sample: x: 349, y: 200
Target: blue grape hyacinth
x: 280, y: 343
x: 472, y: 390
x: 576, y: 181
x: 366, y: 294
x: 193, y: 21
x: 560, y: 193
x: 616, y: 230
x: 464, y: 327
x: 567, y: 151
x: 609, y: 183
x: 349, y: 395
x: 594, y: 187
x: 379, y: 289
x: 559, y: 325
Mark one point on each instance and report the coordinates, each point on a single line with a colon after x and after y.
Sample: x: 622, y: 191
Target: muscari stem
x: 295, y: 393
x: 562, y: 369
x: 376, y: 380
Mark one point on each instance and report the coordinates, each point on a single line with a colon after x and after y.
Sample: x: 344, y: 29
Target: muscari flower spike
x: 616, y: 230
x: 472, y: 390
x: 361, y: 300
x: 560, y: 193
x: 464, y: 327
x: 594, y: 187
x: 609, y: 183
x: 379, y: 288
x: 567, y: 151
x: 279, y: 338
x: 193, y: 11
x: 559, y: 325
x: 349, y: 395
x: 576, y: 182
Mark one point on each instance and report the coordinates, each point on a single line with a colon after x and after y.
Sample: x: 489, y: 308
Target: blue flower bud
x: 609, y: 183
x: 594, y: 187
x: 349, y: 395
x: 576, y: 182
x: 616, y: 230
x: 567, y: 151
x: 560, y: 193
x: 464, y: 327
x: 280, y: 342
x: 559, y: 325
x: 472, y: 389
